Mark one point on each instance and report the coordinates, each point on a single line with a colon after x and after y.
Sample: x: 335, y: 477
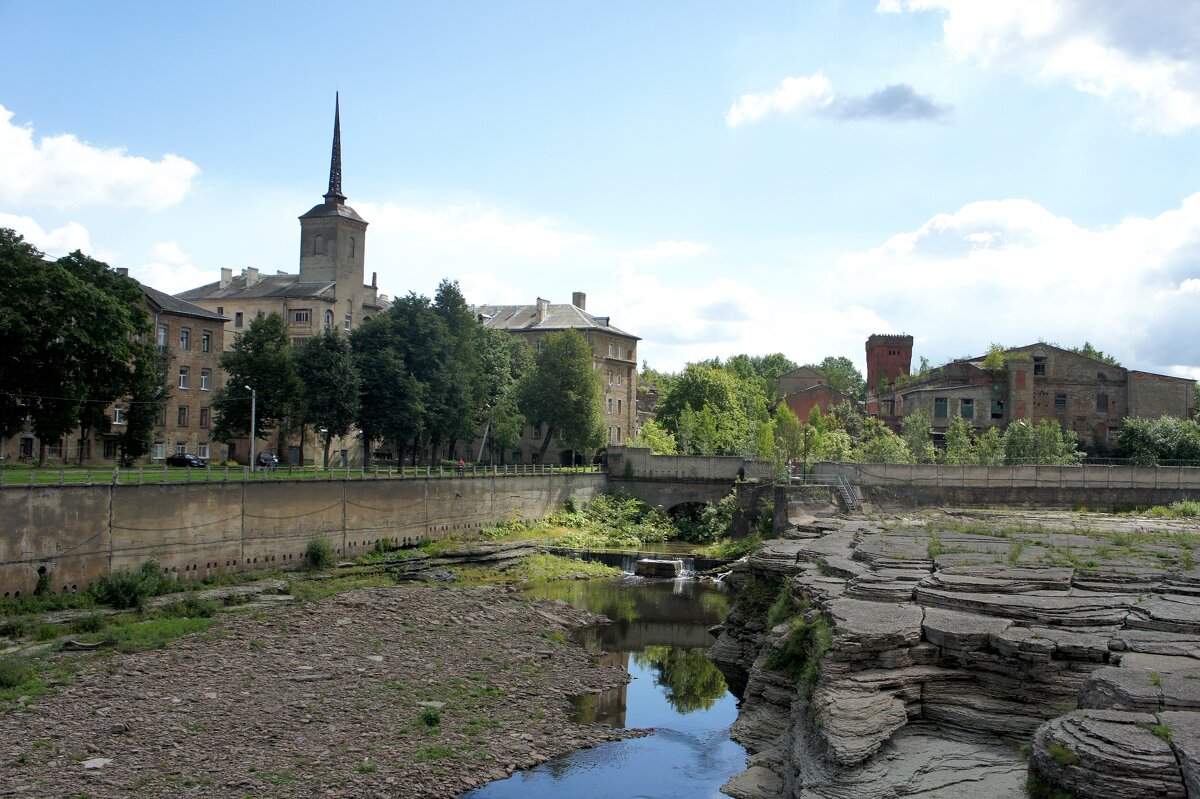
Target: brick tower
x: 888, y: 357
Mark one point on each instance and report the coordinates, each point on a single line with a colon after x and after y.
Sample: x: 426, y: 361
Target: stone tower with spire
x: 333, y: 240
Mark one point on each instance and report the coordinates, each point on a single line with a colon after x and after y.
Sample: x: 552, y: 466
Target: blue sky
x: 719, y: 178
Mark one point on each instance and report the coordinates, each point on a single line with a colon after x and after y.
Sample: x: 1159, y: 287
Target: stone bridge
x: 673, y: 481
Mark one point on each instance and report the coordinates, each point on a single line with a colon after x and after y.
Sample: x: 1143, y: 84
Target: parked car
x: 186, y: 459
x: 267, y: 460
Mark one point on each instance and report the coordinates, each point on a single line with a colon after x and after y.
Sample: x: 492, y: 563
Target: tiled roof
x: 558, y: 317
x: 174, y: 305
x: 268, y: 286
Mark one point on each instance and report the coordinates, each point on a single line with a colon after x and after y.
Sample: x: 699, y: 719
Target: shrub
x: 1063, y: 755
x: 806, y: 644
x: 192, y: 608
x: 319, y: 553
x: 431, y: 717
x: 92, y: 623
x: 13, y: 672
x: 130, y: 589
x: 12, y: 628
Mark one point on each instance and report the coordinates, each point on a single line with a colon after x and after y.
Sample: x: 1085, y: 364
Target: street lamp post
x: 253, y: 421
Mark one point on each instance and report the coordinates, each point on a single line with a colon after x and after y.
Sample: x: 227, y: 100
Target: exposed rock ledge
x: 949, y: 651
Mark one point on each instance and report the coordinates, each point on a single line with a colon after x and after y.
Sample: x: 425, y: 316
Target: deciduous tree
x: 562, y: 392
x: 261, y: 358
x: 331, y: 386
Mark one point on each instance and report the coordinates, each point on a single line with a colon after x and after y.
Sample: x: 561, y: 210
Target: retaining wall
x: 80, y: 533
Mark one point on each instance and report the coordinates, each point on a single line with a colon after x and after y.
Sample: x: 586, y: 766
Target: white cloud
x: 665, y: 250
x: 168, y: 252
x: 1143, y: 59
x: 814, y: 95
x: 58, y: 242
x: 63, y: 172
x: 1014, y: 272
x: 794, y: 94
x: 171, y: 270
x: 460, y: 228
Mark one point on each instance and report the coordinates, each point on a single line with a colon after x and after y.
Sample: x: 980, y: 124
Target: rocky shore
x: 969, y: 655
x: 413, y: 690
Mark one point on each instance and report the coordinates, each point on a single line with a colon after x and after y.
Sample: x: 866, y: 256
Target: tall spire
x: 334, y: 195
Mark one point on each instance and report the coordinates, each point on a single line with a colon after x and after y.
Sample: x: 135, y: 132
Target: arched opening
x: 351, y: 246
x: 318, y: 246
x: 328, y: 319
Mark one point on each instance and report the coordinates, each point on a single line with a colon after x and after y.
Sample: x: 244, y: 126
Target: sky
x: 716, y: 177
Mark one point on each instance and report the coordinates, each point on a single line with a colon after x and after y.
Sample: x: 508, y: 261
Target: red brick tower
x: 888, y: 357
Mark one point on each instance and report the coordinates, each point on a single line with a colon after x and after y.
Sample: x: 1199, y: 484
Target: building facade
x: 328, y: 293
x: 1036, y: 382
x: 614, y: 356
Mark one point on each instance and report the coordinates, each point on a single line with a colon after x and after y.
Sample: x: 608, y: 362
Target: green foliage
x: 543, y: 567
x: 150, y: 386
x: 996, y: 357
x: 714, y: 411
x: 807, y: 642
x: 14, y: 672
x: 730, y: 548
x: 130, y: 589
x: 713, y: 522
x: 960, y: 446
x: 1044, y: 443
x: 393, y: 374
x: 842, y: 375
x: 562, y: 392
x: 319, y: 554
x: 618, y: 520
x: 260, y: 358
x: 431, y: 717
x: 880, y: 445
x: 1063, y: 755
x: 1146, y: 442
x: 693, y: 682
x: 783, y: 608
x: 656, y: 437
x: 1091, y: 352
x: 915, y: 431
x: 1162, y: 731
x: 1182, y: 509
x: 329, y: 385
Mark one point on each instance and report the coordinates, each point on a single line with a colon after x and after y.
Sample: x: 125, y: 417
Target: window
x: 54, y: 449
x: 204, y: 417
x: 181, y: 449
x: 621, y: 352
x: 301, y: 316
x: 220, y: 310
x: 966, y: 408
x: 183, y: 415
x: 328, y: 319
x: 1101, y: 403
x: 161, y: 420
x: 162, y: 337
x: 110, y: 449
x: 941, y: 407
x: 997, y: 409
x: 610, y: 404
x: 346, y: 323
x: 618, y: 435
x: 119, y: 414
x: 351, y: 246
x: 206, y: 379
x: 160, y: 451
x: 610, y: 377
x: 185, y: 339
x: 26, y: 447
x: 1039, y: 366
x: 237, y: 319
x: 618, y: 406
x: 185, y: 377
x: 1060, y: 402
x: 206, y: 341
x: 516, y: 456
x: 610, y: 348
x: 202, y: 450
x: 537, y: 430
x: 318, y: 246
x: 298, y: 340
x: 83, y: 449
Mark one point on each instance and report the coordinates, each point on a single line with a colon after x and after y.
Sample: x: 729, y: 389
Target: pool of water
x: 659, y: 634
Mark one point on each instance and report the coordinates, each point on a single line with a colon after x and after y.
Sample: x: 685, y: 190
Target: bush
x: 806, y: 644
x: 130, y: 589
x: 319, y: 553
x: 14, y: 672
x: 92, y: 623
x: 431, y: 717
x: 12, y: 628
x: 191, y: 608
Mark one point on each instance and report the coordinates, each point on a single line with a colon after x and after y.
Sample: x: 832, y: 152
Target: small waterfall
x: 627, y: 563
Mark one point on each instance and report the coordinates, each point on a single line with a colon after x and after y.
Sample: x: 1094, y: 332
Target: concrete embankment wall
x: 1095, y: 487
x: 80, y: 533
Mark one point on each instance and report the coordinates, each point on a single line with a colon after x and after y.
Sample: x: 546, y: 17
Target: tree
x: 562, y: 392
x: 914, y: 429
x: 881, y: 445
x: 260, y: 358
x: 656, y: 437
x: 1091, y: 352
x: 996, y: 356
x: 842, y: 375
x: 147, y: 397
x: 331, y: 385
x: 711, y: 411
x: 989, y: 448
x: 960, y: 448
x: 507, y: 422
x: 459, y: 388
x: 504, y: 359
x: 391, y: 399
x: 791, y: 435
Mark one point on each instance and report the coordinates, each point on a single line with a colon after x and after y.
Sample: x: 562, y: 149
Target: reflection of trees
x: 692, y: 681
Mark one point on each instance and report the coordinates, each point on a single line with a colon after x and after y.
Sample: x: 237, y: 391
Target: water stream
x: 659, y: 635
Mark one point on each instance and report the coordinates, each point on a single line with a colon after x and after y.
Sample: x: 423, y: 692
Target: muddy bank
x: 410, y: 691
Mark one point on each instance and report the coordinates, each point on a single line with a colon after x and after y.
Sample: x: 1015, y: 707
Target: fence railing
x: 18, y: 477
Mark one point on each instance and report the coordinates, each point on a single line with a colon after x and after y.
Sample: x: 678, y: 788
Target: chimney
x: 543, y: 308
x: 226, y: 277
x: 251, y: 275
x: 579, y: 300
x: 123, y: 271
x: 374, y: 277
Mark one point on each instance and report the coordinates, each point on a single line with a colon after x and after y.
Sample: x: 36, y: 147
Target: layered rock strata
x: 955, y: 646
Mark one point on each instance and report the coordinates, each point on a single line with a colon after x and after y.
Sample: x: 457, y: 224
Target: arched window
x: 328, y: 319
x: 318, y: 246
x: 351, y: 246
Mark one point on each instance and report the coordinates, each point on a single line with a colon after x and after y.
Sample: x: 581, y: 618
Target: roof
x: 333, y: 209
x: 804, y: 371
x: 173, y: 305
x: 558, y: 317
x: 267, y: 286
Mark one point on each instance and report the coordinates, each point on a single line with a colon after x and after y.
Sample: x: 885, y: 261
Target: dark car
x: 186, y: 459
x: 266, y: 460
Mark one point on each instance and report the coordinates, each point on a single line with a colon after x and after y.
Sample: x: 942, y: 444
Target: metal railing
x: 17, y: 477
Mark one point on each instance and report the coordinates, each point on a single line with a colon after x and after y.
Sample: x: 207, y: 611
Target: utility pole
x: 253, y: 422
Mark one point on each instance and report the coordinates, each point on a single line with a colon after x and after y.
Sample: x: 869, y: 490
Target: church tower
x: 333, y: 240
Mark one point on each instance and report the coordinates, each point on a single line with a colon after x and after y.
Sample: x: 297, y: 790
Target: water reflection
x: 659, y: 635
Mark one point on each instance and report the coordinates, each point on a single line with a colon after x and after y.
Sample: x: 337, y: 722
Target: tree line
x: 422, y: 377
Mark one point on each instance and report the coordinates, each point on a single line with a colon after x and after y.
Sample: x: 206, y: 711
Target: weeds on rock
x: 1063, y: 756
x: 800, y: 657
x: 1038, y: 788
x: 431, y: 717
x: 319, y: 553
x: 130, y: 589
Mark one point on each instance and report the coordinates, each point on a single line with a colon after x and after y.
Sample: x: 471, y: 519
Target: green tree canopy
x: 656, y: 437
x: 261, y: 358
x: 563, y: 392
x: 331, y: 385
x: 391, y: 399
x: 842, y: 375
